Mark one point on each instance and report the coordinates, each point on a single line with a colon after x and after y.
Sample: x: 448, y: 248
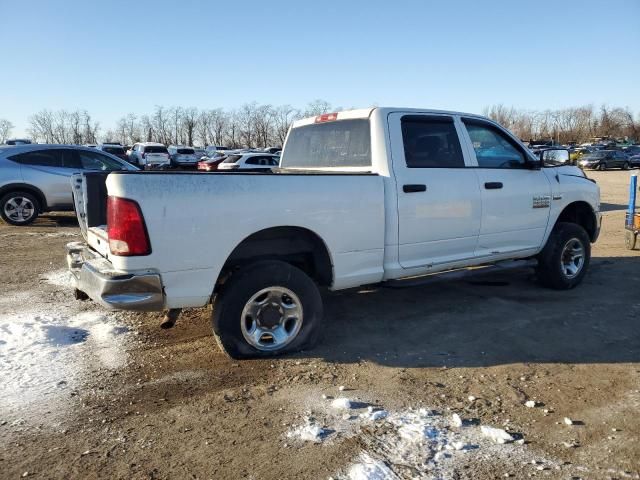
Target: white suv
x: 150, y: 154
x: 182, y: 156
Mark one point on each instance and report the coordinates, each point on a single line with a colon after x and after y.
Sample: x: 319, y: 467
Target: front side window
x: 431, y: 142
x: 493, y: 148
x: 341, y: 143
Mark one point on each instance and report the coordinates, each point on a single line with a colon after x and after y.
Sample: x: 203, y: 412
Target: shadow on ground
x: 503, y: 318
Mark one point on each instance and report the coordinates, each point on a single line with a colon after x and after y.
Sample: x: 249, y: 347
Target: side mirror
x: 555, y: 157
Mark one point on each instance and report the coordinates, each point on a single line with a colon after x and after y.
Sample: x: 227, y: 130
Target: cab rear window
x: 343, y: 143
x: 153, y: 149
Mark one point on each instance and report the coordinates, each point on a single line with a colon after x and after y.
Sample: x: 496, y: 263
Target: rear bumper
x: 96, y: 277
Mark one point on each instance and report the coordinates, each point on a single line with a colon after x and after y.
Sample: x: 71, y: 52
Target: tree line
x: 260, y: 125
x: 575, y: 124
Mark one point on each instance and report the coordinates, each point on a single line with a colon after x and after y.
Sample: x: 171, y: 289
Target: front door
x: 516, y: 199
x: 439, y: 208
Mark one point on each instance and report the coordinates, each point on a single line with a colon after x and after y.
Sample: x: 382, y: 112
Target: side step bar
x: 462, y: 273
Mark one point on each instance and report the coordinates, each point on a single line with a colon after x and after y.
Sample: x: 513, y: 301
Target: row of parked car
x: 600, y: 157
x: 151, y: 155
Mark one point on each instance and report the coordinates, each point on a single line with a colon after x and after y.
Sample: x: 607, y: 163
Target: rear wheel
x: 266, y: 309
x: 19, y: 208
x: 564, y: 260
x: 602, y: 167
x: 630, y: 239
x: 625, y: 166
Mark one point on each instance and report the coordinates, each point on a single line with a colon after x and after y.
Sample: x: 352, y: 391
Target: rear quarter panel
x: 196, y: 220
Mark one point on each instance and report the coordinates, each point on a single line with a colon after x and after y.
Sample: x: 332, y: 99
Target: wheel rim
x: 271, y: 318
x: 572, y: 258
x: 19, y: 209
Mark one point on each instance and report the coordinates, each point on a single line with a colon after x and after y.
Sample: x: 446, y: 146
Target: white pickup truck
x: 360, y: 197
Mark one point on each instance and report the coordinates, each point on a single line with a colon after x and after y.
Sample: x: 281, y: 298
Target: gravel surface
x: 88, y: 393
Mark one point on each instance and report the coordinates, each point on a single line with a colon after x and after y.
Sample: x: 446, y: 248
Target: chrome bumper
x: 96, y: 277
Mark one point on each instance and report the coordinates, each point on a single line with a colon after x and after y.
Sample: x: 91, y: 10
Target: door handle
x: 416, y: 187
x: 493, y: 185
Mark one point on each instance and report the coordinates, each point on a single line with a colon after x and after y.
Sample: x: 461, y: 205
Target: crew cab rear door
x: 516, y: 198
x: 439, y: 208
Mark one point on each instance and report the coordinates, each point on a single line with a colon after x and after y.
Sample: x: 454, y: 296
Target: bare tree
x: 5, y: 129
x: 282, y: 120
x: 189, y: 122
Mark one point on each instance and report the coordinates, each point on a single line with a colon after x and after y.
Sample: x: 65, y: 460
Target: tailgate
x: 90, y: 200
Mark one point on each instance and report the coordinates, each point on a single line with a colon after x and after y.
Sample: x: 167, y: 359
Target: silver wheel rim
x: 572, y: 258
x: 271, y: 318
x: 19, y: 209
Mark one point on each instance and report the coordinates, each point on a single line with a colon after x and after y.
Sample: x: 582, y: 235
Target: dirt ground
x: 150, y: 403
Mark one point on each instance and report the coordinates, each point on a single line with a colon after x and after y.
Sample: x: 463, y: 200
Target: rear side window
x: 494, y: 149
x: 343, y: 143
x: 431, y: 142
x: 232, y: 159
x: 42, y: 158
x: 154, y: 149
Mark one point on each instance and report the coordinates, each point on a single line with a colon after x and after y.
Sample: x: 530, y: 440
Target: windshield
x: 114, y: 150
x: 344, y: 143
x: 154, y: 149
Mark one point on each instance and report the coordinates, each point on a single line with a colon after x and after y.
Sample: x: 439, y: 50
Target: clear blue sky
x: 112, y: 57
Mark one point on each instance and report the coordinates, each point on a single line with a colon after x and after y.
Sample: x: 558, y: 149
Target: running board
x: 462, y: 273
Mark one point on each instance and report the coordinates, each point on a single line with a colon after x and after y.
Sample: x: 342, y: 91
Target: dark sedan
x: 605, y: 159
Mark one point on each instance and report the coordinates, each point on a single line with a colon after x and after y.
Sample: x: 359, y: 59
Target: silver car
x: 36, y: 178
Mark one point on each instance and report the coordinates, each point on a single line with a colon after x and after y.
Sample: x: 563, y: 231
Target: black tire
x: 243, y: 285
x: 18, y: 198
x: 602, y: 167
x: 551, y: 270
x: 630, y: 239
x: 625, y: 166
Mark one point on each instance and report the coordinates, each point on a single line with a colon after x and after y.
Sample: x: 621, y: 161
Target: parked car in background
x: 114, y: 149
x: 209, y: 164
x: 182, y: 156
x: 36, y: 178
x: 150, y: 155
x: 578, y: 152
x: 18, y: 141
x: 604, y: 159
x: 249, y: 161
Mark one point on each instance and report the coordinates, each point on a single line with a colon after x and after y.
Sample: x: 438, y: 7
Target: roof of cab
x: 367, y: 112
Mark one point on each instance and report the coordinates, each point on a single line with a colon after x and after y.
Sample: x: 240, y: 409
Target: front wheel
x: 564, y: 260
x: 19, y: 208
x: 602, y: 167
x: 265, y: 309
x: 625, y: 166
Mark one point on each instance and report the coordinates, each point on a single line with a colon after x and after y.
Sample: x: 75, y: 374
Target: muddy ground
x: 140, y: 402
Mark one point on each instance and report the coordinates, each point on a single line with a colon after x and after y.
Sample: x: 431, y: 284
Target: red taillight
x: 327, y: 117
x: 126, y: 229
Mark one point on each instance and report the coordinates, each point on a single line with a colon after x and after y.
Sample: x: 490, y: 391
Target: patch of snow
x: 568, y: 421
x: 308, y: 433
x: 367, y: 468
x: 44, y: 353
x: 530, y: 404
x: 374, y: 415
x: 498, y: 435
x: 342, y: 403
x: 456, y: 421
